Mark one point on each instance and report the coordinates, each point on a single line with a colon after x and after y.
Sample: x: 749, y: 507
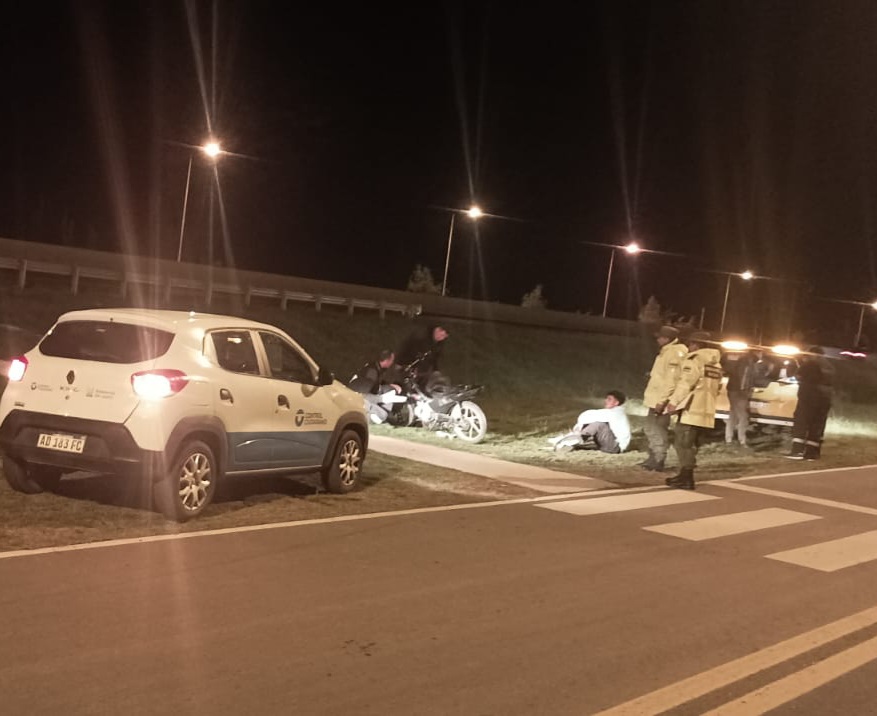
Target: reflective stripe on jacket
x: 665, y: 373
x: 698, y: 387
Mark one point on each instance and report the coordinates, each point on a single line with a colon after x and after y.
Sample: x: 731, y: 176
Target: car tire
x: 30, y: 479
x: 190, y: 484
x: 341, y: 475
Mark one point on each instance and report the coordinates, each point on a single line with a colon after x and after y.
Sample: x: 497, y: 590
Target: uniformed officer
x: 815, y: 388
x: 695, y: 400
x: 662, y: 382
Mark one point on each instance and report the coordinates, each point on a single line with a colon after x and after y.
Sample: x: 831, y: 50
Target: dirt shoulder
x: 716, y: 461
x: 98, y: 508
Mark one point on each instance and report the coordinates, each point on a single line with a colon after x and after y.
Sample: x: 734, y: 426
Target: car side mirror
x: 325, y: 376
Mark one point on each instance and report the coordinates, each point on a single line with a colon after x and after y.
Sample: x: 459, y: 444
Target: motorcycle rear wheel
x: 470, y: 422
x: 402, y: 416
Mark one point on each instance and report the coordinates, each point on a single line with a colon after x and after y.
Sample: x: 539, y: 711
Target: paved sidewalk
x: 536, y: 478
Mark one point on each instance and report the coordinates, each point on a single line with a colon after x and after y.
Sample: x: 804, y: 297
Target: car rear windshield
x: 106, y: 341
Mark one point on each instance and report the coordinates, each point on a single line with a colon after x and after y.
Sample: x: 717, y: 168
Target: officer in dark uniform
x: 815, y: 390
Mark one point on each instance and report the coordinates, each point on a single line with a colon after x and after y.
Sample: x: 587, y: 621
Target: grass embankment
x: 536, y: 382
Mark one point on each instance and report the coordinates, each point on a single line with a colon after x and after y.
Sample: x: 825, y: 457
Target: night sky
x: 739, y: 134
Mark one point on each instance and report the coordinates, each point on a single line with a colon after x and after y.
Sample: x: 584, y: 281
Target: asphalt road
x: 553, y: 606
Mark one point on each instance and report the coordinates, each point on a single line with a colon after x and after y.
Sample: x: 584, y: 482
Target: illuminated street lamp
x: 746, y: 275
x: 212, y: 150
x: 631, y: 249
x: 473, y: 213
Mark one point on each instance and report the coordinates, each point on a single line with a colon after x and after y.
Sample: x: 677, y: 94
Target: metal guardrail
x: 23, y: 266
x: 128, y: 270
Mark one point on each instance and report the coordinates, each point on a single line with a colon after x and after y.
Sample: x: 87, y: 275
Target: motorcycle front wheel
x: 470, y: 422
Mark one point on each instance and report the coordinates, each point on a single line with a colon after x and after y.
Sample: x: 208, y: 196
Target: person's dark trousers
x: 687, y: 440
x: 738, y: 416
x: 603, y: 437
x: 657, y: 430
x: 811, y: 414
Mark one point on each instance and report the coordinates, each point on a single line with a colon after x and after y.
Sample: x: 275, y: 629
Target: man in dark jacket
x: 815, y: 389
x: 373, y: 381
x: 426, y: 345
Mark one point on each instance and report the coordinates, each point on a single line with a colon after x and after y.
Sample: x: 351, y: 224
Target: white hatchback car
x: 180, y: 398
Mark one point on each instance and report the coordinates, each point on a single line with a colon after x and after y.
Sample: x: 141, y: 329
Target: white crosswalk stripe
x: 829, y: 556
x: 833, y: 555
x: 733, y: 524
x: 623, y: 503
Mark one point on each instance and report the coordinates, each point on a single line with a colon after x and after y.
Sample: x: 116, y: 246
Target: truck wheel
x: 342, y: 473
x: 30, y: 479
x: 188, y: 488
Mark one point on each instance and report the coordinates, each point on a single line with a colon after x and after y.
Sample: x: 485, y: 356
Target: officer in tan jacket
x: 695, y: 400
x: 662, y: 382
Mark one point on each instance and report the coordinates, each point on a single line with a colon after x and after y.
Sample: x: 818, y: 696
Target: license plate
x: 757, y: 404
x: 64, y: 443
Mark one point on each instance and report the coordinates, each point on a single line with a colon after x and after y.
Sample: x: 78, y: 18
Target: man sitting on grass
x: 608, y: 429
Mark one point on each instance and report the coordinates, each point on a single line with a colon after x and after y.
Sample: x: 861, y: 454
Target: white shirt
x: 617, y: 419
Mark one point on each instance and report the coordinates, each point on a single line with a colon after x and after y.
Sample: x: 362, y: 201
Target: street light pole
x: 859, y: 330
x: 473, y: 213
x: 185, y: 206
x: 608, y: 281
x: 448, y: 255
x: 633, y: 249
x: 861, y: 321
x: 725, y: 304
x: 746, y: 276
x: 212, y: 151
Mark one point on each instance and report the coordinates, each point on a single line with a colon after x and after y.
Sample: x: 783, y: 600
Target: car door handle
x: 225, y: 394
x: 283, y: 401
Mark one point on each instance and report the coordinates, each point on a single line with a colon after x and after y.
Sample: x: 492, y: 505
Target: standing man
x: 738, y: 366
x: 662, y: 382
x: 423, y: 345
x: 695, y: 400
x: 815, y: 389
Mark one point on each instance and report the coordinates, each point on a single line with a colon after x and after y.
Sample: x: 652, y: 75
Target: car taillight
x: 156, y: 384
x: 17, y: 367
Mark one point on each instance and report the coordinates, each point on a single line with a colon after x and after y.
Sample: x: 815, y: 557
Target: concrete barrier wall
x: 82, y: 265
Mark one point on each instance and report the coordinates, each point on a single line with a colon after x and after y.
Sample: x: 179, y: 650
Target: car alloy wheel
x: 196, y: 481
x: 190, y: 483
x: 342, y: 473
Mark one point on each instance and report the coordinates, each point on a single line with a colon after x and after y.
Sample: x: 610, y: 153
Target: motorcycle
x: 439, y: 407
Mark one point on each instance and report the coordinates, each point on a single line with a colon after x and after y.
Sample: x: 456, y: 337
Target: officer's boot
x: 658, y: 464
x: 797, y: 452
x: 683, y: 481
x: 649, y: 461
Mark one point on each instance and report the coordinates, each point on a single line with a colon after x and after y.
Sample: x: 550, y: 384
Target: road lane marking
x: 799, y: 498
x: 797, y: 473
x: 674, y: 695
x: 733, y: 524
x: 318, y: 521
x: 834, y: 555
x: 802, y: 682
x: 623, y: 503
